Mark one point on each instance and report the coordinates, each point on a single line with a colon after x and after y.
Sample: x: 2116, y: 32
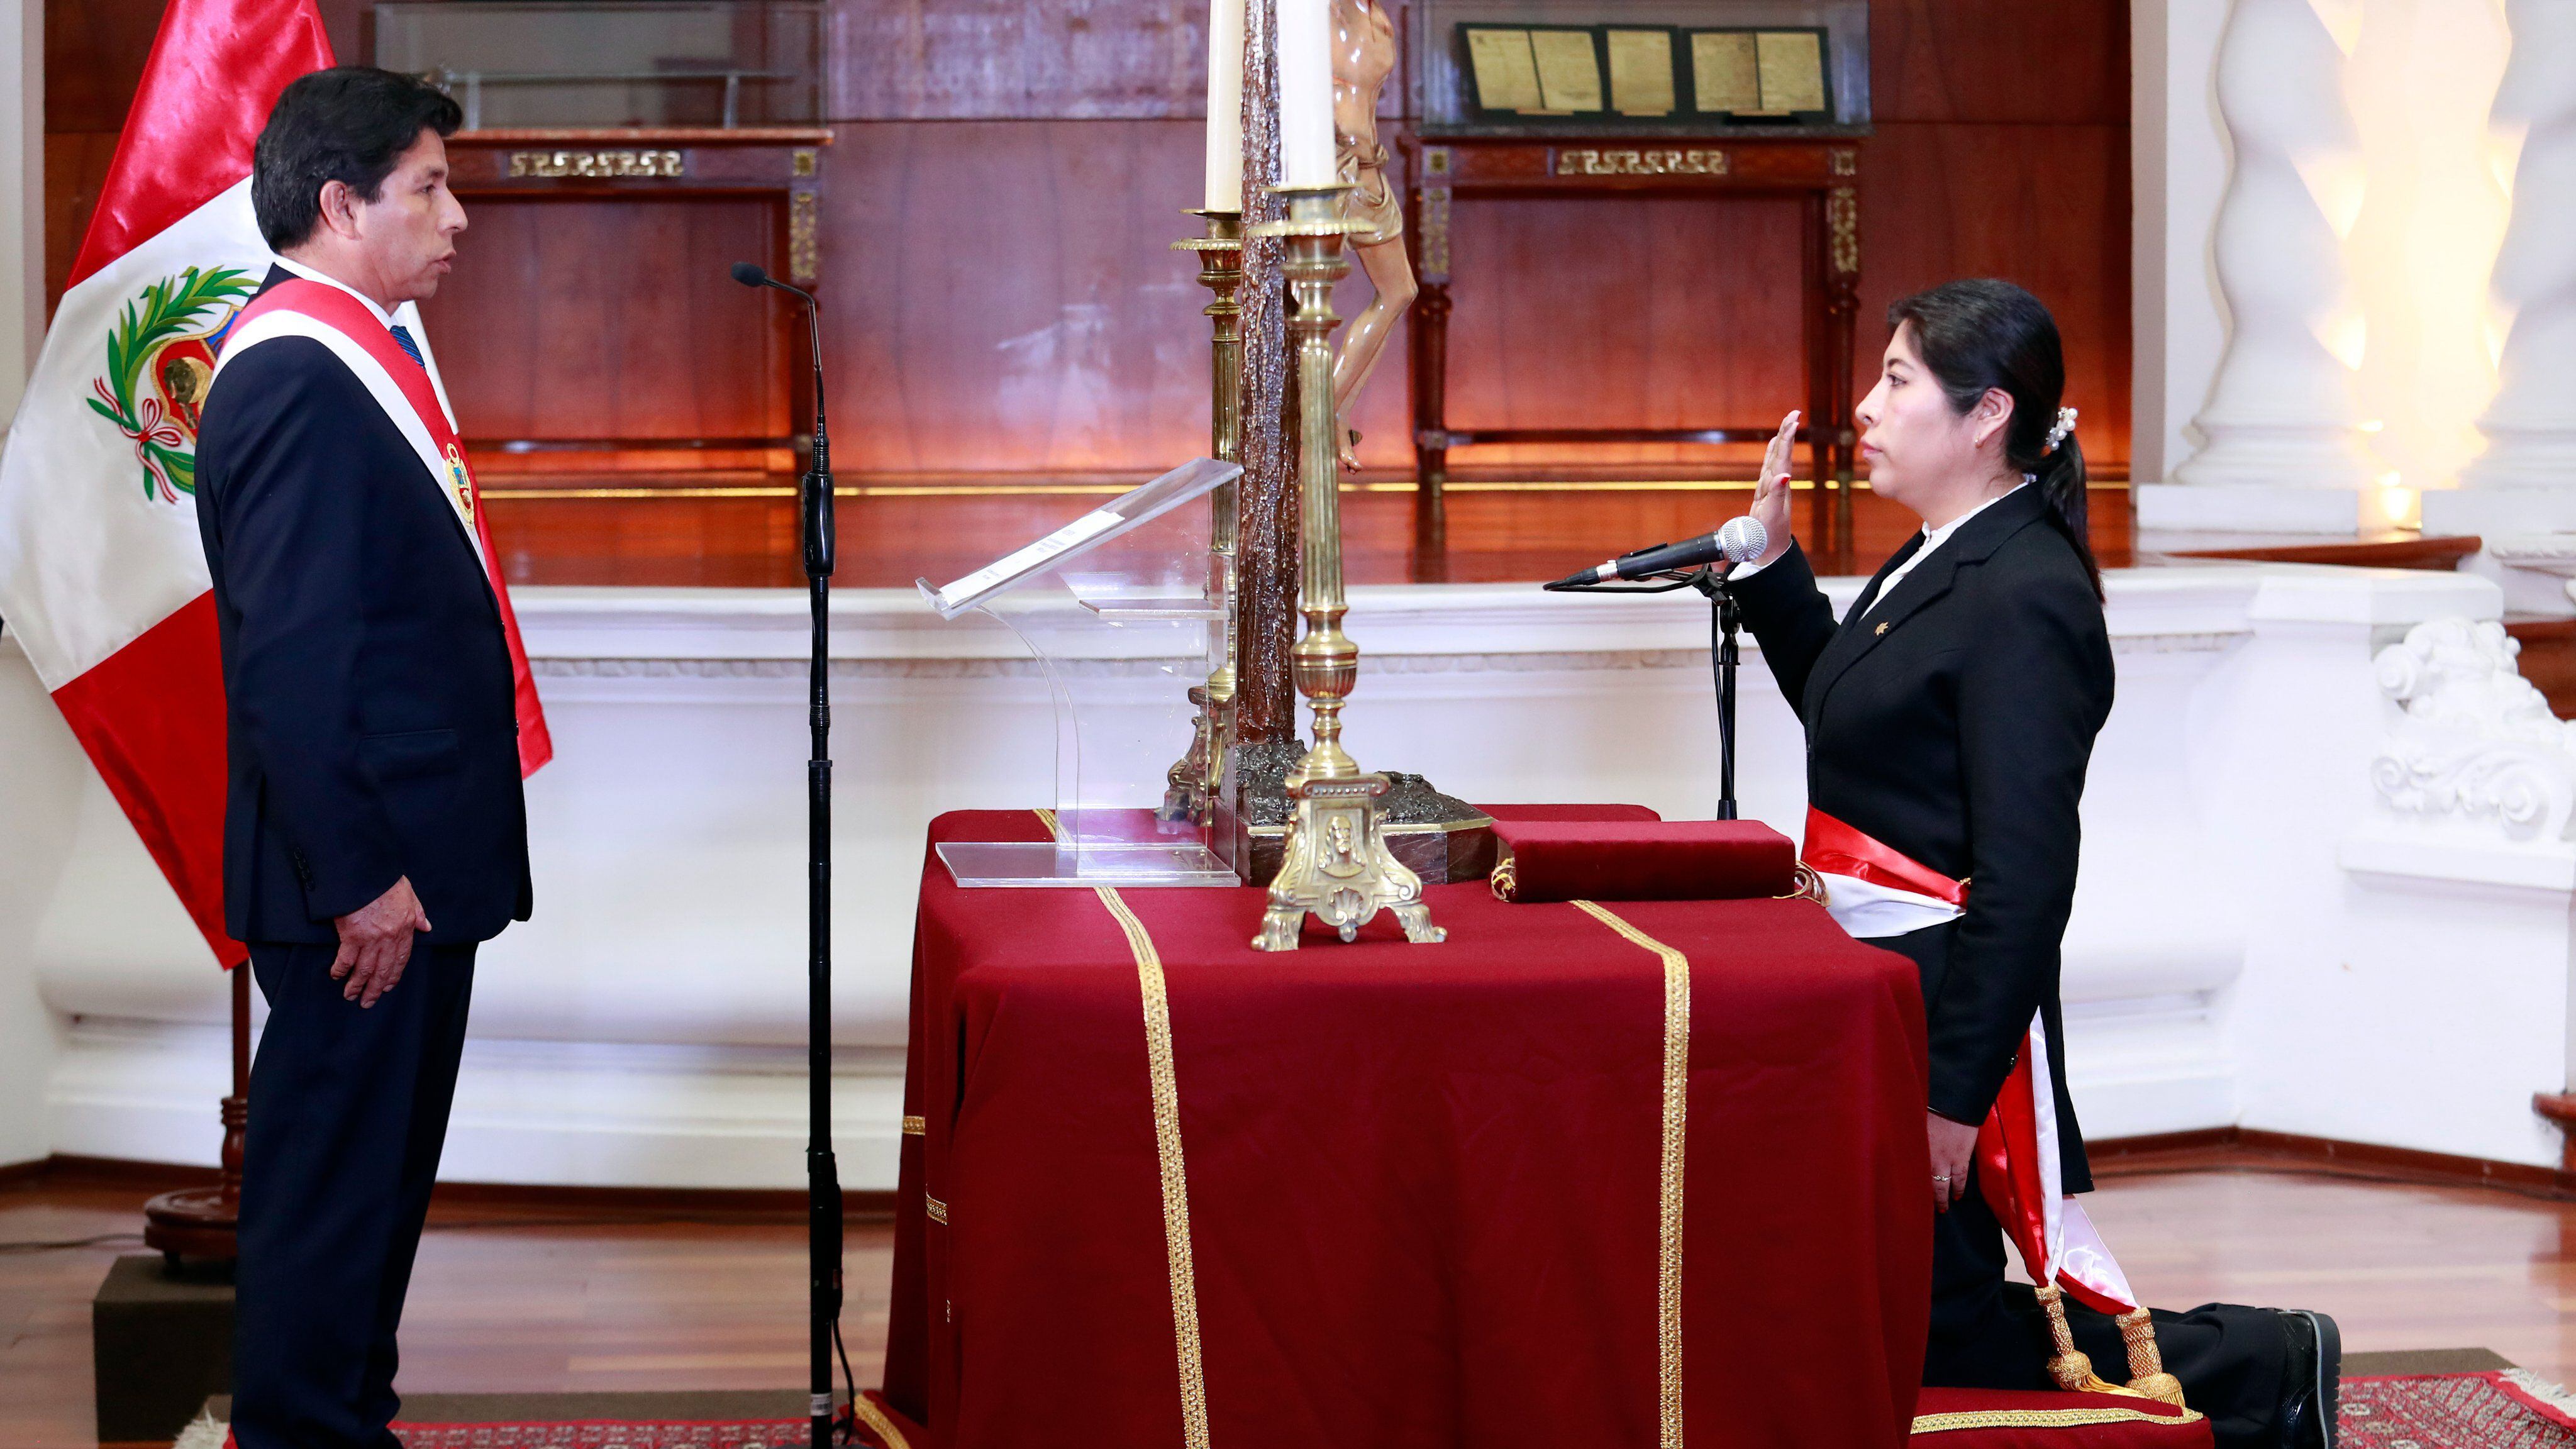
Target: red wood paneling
x: 1000, y: 297
x: 2044, y: 206
x: 635, y: 330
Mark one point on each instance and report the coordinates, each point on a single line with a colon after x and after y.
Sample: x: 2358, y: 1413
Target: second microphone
x: 1741, y: 540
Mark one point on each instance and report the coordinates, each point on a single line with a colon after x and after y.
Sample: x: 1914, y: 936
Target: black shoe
x: 2310, y: 1380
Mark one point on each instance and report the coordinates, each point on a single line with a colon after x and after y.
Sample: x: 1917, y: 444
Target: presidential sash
x: 2017, y: 1161
x: 409, y: 392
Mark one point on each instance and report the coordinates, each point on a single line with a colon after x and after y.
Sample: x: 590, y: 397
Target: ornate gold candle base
x: 1190, y: 786
x: 1337, y: 867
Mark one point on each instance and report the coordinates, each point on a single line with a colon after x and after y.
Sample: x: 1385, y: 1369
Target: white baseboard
x: 527, y: 1112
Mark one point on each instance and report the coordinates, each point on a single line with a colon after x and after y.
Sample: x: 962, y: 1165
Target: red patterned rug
x: 2505, y: 1409
x: 2497, y: 1409
x: 756, y: 1434
x: 683, y: 1421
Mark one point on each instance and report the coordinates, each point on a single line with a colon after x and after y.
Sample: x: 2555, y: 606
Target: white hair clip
x: 2057, y: 435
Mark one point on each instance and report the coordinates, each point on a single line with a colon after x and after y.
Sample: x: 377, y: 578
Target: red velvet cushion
x: 1636, y: 860
x: 2011, y: 1419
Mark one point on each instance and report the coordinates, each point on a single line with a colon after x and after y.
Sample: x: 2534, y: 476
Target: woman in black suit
x: 1950, y: 718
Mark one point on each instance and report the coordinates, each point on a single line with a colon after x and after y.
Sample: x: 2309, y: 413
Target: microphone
x: 1741, y: 540
x: 816, y: 487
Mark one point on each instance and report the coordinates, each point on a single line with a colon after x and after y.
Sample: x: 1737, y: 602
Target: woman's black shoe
x: 2310, y: 1381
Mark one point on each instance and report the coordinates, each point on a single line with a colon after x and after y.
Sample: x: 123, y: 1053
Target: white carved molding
x: 2537, y: 570
x: 2531, y: 424
x: 2281, y: 413
x: 2474, y: 744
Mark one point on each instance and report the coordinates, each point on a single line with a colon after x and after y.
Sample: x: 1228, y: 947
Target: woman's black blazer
x: 1953, y: 722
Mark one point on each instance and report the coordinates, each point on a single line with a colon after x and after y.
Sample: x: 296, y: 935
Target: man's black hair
x: 348, y: 124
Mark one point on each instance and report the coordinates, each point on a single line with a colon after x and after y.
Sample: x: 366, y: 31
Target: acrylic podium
x: 1124, y: 610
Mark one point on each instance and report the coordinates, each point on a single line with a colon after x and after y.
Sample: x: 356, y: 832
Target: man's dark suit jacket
x: 373, y: 732
x: 1953, y: 722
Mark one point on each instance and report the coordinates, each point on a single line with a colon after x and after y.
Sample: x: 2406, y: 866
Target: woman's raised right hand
x: 1771, y: 489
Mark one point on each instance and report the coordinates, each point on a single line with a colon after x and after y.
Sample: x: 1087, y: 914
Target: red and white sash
x: 411, y: 397
x: 1871, y: 891
x: 2018, y: 1168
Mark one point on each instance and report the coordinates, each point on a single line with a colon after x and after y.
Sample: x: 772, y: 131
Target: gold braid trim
x: 2043, y: 1419
x: 1167, y: 1146
x: 937, y: 1210
x: 2146, y: 1363
x: 1804, y: 885
x: 1047, y: 819
x: 883, y: 1427
x: 1506, y: 879
x: 1668, y: 1255
x: 916, y: 1126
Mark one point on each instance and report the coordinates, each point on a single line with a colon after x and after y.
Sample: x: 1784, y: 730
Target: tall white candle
x: 1225, y: 106
x: 1306, y: 93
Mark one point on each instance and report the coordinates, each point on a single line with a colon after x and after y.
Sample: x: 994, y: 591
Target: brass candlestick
x: 1337, y: 867
x: 1190, y: 791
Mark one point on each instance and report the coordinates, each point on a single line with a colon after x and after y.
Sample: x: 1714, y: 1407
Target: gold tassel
x: 2068, y: 1365
x: 2147, y: 1366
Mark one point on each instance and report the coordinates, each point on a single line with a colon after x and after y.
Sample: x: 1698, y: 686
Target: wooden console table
x: 1820, y: 169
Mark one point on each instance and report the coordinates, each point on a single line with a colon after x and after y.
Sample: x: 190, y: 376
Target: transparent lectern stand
x: 1125, y: 611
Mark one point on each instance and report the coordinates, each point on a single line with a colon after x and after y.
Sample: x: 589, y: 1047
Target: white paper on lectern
x: 1192, y: 480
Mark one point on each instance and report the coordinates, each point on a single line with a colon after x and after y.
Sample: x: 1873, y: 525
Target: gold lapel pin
x: 1882, y: 626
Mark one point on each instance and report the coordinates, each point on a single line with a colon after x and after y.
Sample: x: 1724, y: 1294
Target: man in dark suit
x: 375, y: 830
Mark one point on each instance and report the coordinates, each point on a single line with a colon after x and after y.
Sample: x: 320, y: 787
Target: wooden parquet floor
x: 543, y: 1300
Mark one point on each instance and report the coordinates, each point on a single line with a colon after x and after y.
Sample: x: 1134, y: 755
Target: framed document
x: 1503, y: 67
x: 1535, y: 70
x: 1726, y: 78
x: 1767, y: 74
x: 1569, y: 70
x: 1793, y: 70
x: 1641, y: 71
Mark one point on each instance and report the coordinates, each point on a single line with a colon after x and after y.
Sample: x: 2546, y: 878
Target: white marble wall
x: 645, y: 1027
x: 26, y: 1032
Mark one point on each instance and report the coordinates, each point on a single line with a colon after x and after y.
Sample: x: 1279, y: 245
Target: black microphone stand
x: 1724, y: 620
x: 822, y: 1172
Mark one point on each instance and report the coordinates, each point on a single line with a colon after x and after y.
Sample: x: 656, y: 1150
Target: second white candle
x: 1306, y: 93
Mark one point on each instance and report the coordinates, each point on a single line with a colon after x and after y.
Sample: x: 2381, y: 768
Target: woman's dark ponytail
x: 2059, y: 477
x: 1985, y: 334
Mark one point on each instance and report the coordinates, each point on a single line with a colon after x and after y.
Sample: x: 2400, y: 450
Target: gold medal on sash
x: 459, y: 482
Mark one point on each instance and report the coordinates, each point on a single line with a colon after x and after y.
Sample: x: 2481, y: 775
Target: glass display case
x: 1701, y: 67
x: 1125, y: 609
x: 644, y: 63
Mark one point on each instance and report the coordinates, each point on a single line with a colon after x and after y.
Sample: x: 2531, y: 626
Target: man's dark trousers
x: 348, y: 1110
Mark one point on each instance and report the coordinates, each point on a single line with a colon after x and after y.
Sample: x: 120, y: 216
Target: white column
x: 22, y: 196
x: 2178, y: 170
x: 2526, y: 480
x: 2282, y: 449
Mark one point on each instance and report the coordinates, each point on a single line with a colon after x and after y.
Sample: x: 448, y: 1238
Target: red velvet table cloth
x: 1403, y: 1196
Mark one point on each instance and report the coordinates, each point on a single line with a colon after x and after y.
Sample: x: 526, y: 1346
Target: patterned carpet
x: 2491, y: 1409
x: 688, y: 1420
x: 2499, y: 1409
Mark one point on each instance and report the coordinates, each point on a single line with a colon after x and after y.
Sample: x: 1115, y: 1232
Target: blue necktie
x: 411, y: 349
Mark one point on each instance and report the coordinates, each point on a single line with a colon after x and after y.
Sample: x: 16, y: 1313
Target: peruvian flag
x: 102, y: 577
x: 2018, y: 1170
